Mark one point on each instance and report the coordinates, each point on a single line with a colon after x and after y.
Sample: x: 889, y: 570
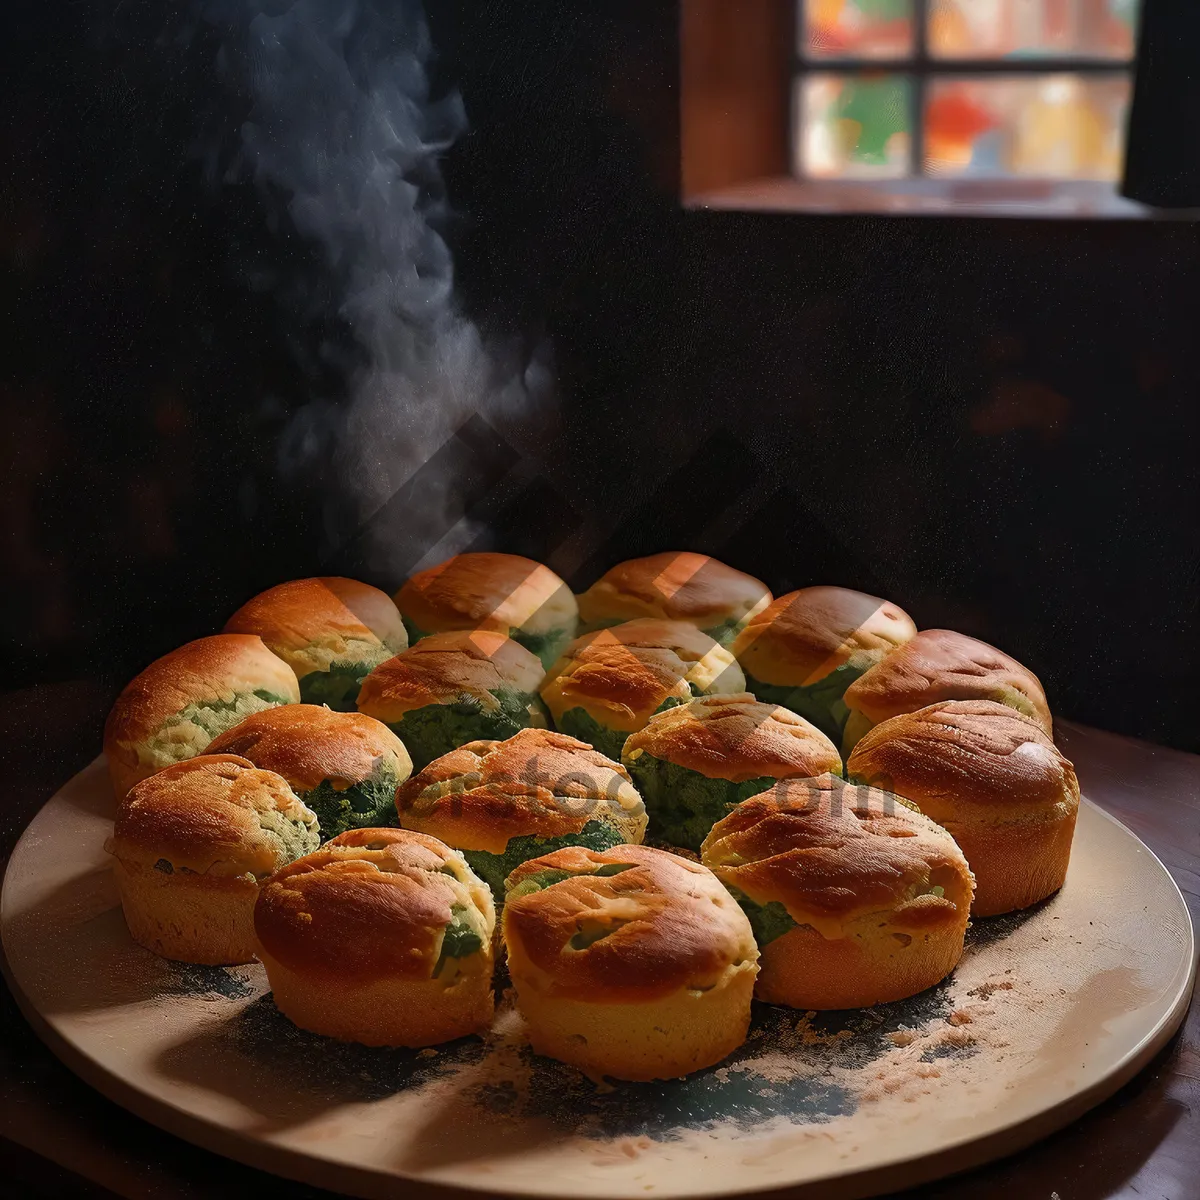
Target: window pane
x: 856, y: 28
x: 1048, y: 126
x: 1029, y: 28
x: 853, y: 126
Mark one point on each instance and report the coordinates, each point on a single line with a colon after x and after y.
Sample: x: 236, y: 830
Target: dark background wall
x: 992, y: 423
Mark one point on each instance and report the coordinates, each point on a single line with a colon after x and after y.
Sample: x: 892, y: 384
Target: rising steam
x: 344, y: 137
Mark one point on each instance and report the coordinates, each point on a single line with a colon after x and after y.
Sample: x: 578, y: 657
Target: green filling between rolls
x: 820, y: 703
x: 579, y: 723
x: 543, y: 879
x: 297, y: 838
x: 459, y: 941
x: 436, y: 729
x: 547, y: 646
x: 337, y: 687
x: 216, y: 716
x: 368, y: 804
x: 414, y: 634
x: 768, y: 921
x: 684, y: 805
x: 726, y: 631
x: 494, y: 869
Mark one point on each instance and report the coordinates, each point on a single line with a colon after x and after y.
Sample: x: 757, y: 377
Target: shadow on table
x: 73, y: 954
x: 485, y: 1099
x: 289, y: 1076
x: 987, y: 931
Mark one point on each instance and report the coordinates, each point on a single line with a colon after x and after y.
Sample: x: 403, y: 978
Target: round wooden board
x: 1049, y: 1012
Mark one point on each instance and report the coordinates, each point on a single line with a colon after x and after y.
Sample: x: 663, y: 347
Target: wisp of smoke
x: 343, y: 132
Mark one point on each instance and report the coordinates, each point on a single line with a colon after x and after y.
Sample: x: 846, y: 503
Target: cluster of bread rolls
x: 349, y: 787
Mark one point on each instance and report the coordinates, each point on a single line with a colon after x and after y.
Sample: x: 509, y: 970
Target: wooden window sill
x: 1041, y: 199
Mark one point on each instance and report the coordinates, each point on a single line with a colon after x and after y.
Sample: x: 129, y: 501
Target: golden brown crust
x: 669, y: 925
x: 493, y: 591
x: 372, y: 839
x: 443, y: 666
x: 803, y: 636
x: 186, y: 917
x: 215, y: 814
x: 876, y: 966
x: 1016, y: 864
x: 661, y: 1038
x: 994, y: 780
x: 968, y: 758
x: 736, y: 738
x: 308, y: 743
x: 625, y: 673
x: 676, y: 585
x: 342, y: 618
x: 210, y: 668
x: 353, y: 912
x: 831, y: 852
x: 537, y: 783
x: 388, y: 1011
x: 939, y: 664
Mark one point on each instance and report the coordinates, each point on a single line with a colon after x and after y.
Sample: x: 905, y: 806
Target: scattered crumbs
x: 834, y: 1075
x: 812, y: 1036
x: 985, y: 990
x: 628, y: 1147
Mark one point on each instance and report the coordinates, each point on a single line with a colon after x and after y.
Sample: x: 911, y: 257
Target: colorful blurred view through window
x: 970, y: 89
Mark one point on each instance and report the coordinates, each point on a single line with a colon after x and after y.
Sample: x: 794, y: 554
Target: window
x: 990, y: 108
x: 962, y: 90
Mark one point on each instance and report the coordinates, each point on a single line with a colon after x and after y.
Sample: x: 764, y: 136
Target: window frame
x: 737, y: 60
x: 920, y: 67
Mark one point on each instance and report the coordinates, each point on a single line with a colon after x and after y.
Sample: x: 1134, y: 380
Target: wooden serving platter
x: 1050, y: 1011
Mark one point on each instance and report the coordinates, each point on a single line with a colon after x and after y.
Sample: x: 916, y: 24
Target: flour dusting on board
x: 829, y: 1072
x: 1043, y: 1005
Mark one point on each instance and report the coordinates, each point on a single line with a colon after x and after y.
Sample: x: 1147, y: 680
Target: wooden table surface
x: 59, y: 1138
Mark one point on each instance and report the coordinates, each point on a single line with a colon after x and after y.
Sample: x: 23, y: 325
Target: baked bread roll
x: 936, y: 665
x: 346, y: 767
x: 502, y: 803
x: 675, y: 586
x: 191, y: 845
x: 180, y: 702
x: 806, y: 648
x: 630, y: 962
x: 992, y: 778
x: 611, y: 682
x: 332, y: 632
x: 501, y: 592
x: 452, y: 688
x: 854, y: 896
x: 382, y: 937
x: 694, y: 762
